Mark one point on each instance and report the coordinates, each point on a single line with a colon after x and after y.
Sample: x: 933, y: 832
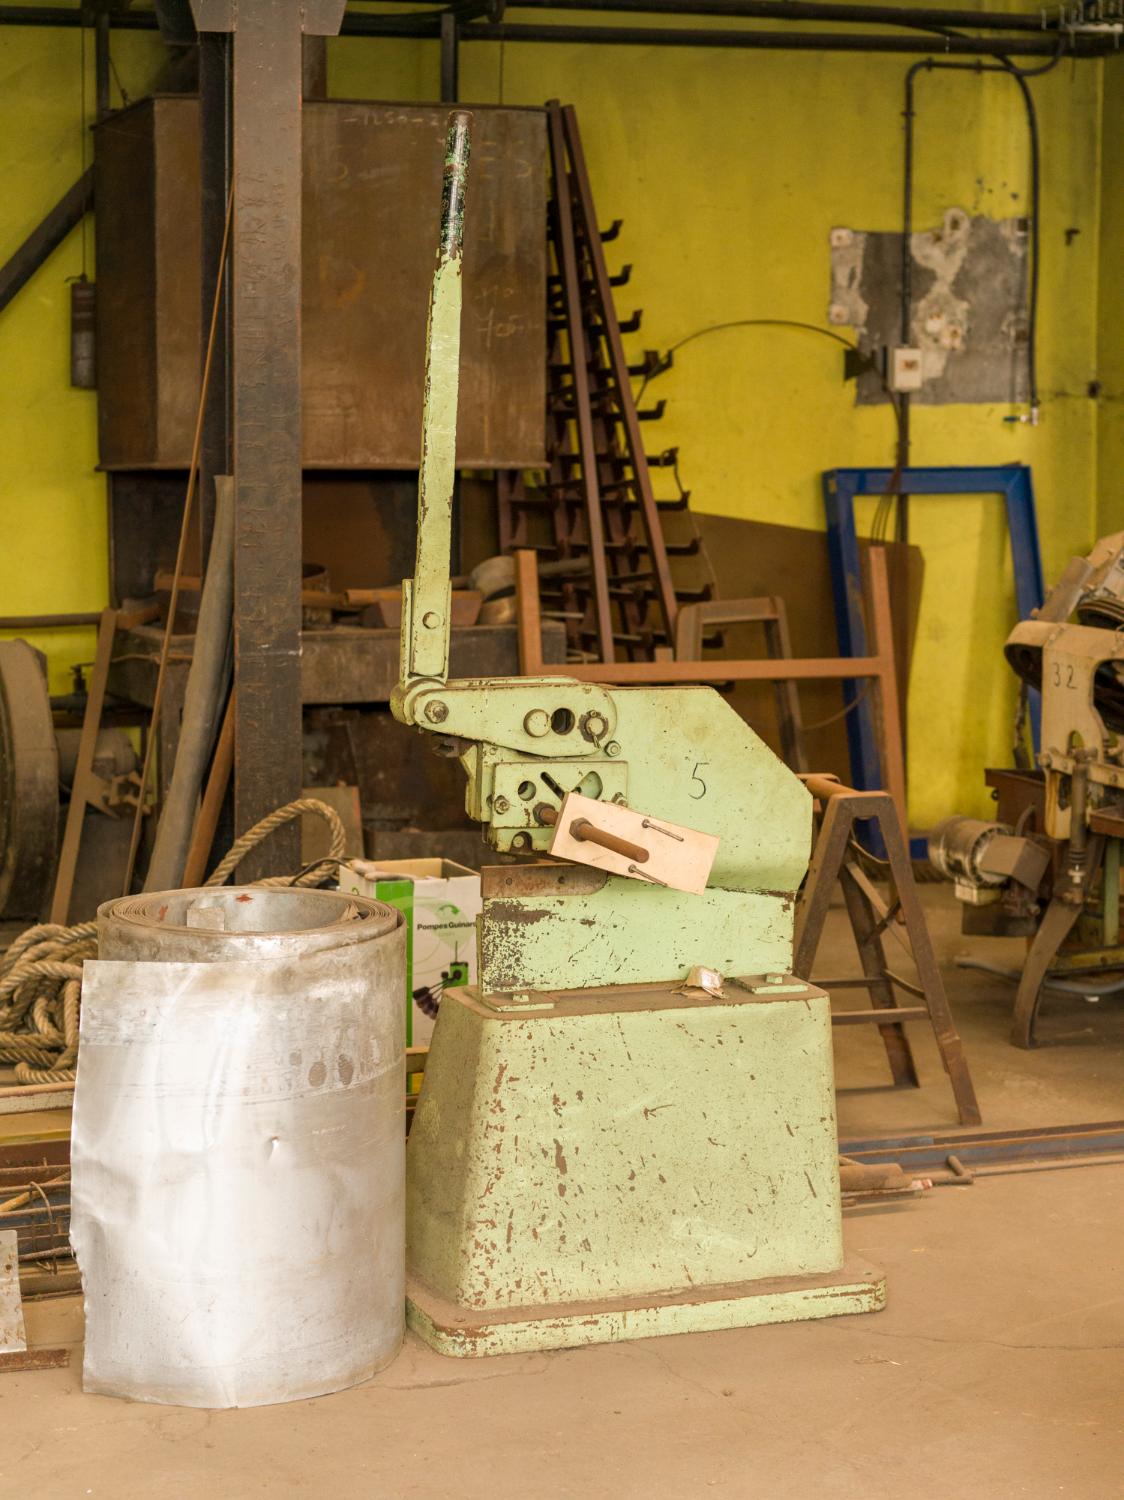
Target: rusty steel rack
x: 35, y: 1202
x: 595, y: 506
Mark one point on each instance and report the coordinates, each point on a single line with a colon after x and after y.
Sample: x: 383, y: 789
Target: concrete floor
x: 1075, y: 1075
x: 994, y: 1372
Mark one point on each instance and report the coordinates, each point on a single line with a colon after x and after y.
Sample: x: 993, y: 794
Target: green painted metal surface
x: 612, y: 1162
x: 632, y: 1145
x: 629, y: 933
x: 856, y: 1287
x: 427, y: 598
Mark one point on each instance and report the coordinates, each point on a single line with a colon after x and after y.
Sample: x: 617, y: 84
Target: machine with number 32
x: 1049, y: 868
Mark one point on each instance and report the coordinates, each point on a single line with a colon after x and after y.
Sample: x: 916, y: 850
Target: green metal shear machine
x: 627, y: 1127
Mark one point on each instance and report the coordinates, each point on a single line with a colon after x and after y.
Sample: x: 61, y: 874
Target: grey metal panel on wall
x: 968, y: 305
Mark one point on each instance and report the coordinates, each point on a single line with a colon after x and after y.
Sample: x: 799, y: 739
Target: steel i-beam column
x: 265, y: 284
x: 215, y: 172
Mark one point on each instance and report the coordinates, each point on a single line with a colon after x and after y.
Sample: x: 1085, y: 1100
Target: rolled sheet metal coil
x: 238, y: 1145
x: 211, y: 923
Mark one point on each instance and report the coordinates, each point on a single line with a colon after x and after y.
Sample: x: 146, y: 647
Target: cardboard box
x: 440, y: 901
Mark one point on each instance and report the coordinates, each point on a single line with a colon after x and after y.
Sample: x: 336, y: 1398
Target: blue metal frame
x: 840, y: 489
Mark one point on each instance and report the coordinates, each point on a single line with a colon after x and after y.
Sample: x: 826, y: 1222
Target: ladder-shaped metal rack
x: 595, y: 515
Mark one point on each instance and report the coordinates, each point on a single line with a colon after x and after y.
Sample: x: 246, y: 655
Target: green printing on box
x: 440, y: 901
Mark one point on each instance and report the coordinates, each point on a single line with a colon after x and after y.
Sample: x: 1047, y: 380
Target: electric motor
x: 956, y: 849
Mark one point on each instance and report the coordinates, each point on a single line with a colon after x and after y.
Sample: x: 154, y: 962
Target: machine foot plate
x: 857, y: 1287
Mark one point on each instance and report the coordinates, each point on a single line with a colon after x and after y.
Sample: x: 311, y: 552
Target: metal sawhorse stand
x: 871, y: 918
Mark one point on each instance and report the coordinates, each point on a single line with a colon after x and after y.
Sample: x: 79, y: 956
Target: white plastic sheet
x: 237, y: 1164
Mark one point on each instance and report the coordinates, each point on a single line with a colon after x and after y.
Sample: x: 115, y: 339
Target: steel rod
x: 47, y: 622
x: 774, y: 41
x: 216, y: 170
x: 206, y: 693
x: 46, y: 237
x: 802, y: 10
x: 450, y: 62
x: 891, y: 1016
x: 588, y: 833
x: 426, y: 24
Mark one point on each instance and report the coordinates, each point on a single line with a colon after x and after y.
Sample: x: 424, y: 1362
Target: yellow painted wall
x: 1110, y: 368
x: 52, y: 502
x: 729, y: 169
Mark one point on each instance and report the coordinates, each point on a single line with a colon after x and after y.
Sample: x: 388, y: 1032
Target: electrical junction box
x: 440, y: 901
x: 905, y: 369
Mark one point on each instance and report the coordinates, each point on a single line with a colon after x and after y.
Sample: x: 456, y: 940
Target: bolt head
x: 500, y: 805
x: 594, y: 726
x: 612, y: 748
x: 437, y: 712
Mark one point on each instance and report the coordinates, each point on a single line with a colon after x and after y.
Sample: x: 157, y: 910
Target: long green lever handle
x: 427, y: 596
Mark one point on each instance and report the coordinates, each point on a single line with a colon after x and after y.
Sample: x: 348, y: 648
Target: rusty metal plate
x: 372, y: 177
x: 28, y: 1360
x: 29, y: 781
x: 12, y: 1335
x: 509, y: 882
x: 968, y: 308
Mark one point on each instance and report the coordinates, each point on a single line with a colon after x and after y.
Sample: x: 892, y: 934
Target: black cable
x: 881, y: 514
x: 827, y: 333
x: 1020, y: 75
x: 665, y: 364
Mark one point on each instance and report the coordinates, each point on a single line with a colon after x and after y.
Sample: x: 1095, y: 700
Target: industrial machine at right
x: 1049, y: 868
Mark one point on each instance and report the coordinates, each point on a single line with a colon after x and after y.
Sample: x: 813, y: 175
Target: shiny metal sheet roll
x: 238, y: 1145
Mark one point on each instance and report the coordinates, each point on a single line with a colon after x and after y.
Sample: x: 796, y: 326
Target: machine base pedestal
x: 857, y: 1287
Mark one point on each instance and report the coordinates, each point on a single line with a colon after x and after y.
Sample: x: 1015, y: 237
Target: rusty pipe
x: 588, y: 833
x: 825, y: 787
x: 46, y: 622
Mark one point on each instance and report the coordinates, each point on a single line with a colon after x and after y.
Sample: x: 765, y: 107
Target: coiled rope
x: 41, y: 971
